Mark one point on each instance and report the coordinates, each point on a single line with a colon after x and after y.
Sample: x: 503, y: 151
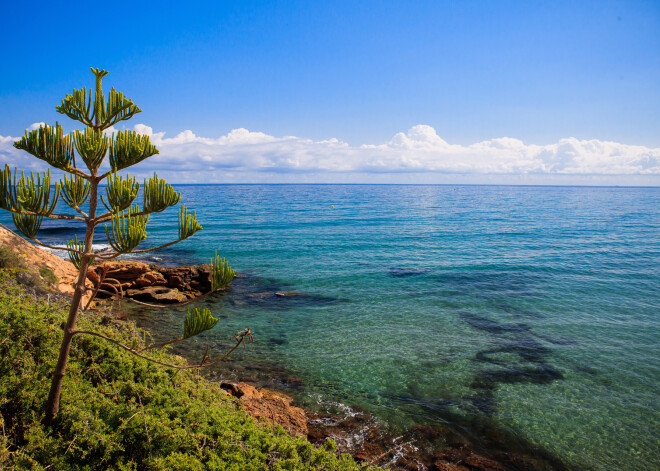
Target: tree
x: 31, y: 200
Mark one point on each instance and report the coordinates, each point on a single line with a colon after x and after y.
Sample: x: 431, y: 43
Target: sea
x: 520, y: 317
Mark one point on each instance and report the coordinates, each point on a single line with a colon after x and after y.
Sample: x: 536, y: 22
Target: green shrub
x: 121, y: 412
x: 9, y: 259
x: 48, y: 275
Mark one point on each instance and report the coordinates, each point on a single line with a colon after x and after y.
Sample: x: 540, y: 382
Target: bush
x: 9, y: 259
x: 50, y: 277
x: 122, y: 412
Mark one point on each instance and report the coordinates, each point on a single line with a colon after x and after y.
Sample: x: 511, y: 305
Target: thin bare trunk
x: 53, y: 404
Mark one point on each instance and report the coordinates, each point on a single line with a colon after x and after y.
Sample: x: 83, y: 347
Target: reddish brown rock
x: 151, y: 283
x: 159, y: 294
x: 122, y: 270
x: 479, y: 463
x: 151, y: 278
x: 194, y: 278
x: 272, y: 406
x: 440, y: 465
x: 242, y: 390
x: 176, y: 281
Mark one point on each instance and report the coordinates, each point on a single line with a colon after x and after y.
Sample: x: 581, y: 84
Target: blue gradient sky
x: 356, y: 71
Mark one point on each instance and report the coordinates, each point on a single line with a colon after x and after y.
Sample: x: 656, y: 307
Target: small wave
x: 62, y: 253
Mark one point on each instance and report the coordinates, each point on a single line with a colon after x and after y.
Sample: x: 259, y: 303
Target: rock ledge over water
x: 151, y: 283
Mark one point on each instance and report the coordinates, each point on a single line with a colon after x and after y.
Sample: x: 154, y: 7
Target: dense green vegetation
x: 121, y: 412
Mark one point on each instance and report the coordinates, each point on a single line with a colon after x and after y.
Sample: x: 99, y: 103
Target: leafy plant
x: 31, y: 199
x: 8, y: 259
x: 48, y: 275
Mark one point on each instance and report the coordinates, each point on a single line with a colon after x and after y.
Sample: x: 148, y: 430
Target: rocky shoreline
x: 355, y: 431
x: 150, y: 283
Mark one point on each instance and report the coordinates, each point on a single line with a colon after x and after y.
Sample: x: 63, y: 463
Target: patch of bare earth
x: 35, y: 258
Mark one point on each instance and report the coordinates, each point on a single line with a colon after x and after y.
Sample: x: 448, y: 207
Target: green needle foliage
x: 128, y: 148
x: 75, y: 250
x: 188, y: 224
x: 221, y: 273
x: 30, y: 200
x: 158, y: 195
x: 49, y: 144
x: 91, y: 146
x: 27, y: 225
x: 75, y: 191
x: 7, y: 190
x: 120, y: 192
x: 34, y: 196
x: 78, y: 106
x: 119, y: 108
x: 127, y: 230
x: 197, y: 321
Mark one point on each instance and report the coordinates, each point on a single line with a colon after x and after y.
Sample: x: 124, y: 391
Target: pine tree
x: 30, y: 200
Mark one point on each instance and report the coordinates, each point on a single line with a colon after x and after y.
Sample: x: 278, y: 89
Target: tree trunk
x: 53, y: 404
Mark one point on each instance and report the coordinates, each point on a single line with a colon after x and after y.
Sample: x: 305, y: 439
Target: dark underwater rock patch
x: 251, y: 290
x: 491, y: 326
x: 488, y: 283
x: 515, y: 355
x: 404, y: 272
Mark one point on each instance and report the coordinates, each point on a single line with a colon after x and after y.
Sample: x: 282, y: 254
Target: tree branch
x: 80, y: 173
x: 157, y: 306
x: 117, y: 254
x: 109, y: 256
x: 162, y: 344
x: 81, y: 212
x: 159, y: 247
x: 68, y: 217
x: 109, y: 215
x: 240, y: 339
x: 56, y: 247
x: 136, y: 353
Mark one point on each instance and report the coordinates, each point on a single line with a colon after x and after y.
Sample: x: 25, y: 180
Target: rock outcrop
x: 273, y: 406
x: 151, y: 283
x: 137, y: 280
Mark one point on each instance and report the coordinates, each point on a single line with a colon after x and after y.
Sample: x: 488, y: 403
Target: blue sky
x: 358, y: 72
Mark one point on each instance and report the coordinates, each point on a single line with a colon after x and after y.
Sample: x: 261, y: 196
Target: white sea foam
x: 62, y: 253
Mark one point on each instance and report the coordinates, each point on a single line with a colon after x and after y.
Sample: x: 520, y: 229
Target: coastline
x: 355, y: 431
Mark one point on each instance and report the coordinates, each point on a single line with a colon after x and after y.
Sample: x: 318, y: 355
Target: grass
x: 119, y: 412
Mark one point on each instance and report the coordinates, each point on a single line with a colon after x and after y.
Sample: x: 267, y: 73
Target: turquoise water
x: 533, y: 312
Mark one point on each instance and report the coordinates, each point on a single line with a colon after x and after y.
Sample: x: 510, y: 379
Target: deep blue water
x: 535, y: 310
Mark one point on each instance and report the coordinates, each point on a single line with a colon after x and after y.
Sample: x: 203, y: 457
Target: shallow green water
x: 530, y: 311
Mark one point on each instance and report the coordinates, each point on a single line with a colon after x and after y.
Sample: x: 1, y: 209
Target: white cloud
x: 34, y: 126
x: 246, y: 156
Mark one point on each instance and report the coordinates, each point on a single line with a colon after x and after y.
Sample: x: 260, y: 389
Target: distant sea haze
x: 533, y: 310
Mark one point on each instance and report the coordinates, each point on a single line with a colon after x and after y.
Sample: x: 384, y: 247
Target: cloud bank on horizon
x: 419, y: 155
